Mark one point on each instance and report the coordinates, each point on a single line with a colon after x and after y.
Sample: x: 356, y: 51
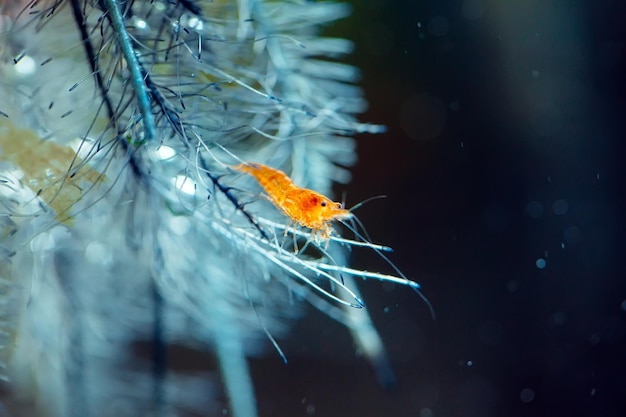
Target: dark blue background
x: 505, y: 145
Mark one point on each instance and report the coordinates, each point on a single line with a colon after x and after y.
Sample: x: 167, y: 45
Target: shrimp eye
x: 339, y: 205
x: 323, y: 204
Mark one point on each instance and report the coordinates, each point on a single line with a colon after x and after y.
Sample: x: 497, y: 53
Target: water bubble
x: 140, y: 23
x: 426, y: 412
x: 527, y: 395
x: 25, y: 66
x: 97, y: 252
x: 560, y: 207
x: 196, y: 24
x: 184, y: 184
x: 540, y: 263
x: 165, y: 152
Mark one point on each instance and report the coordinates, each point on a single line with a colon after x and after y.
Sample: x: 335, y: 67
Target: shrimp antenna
x: 367, y: 200
x: 426, y: 300
x: 354, y: 222
x: 414, y: 285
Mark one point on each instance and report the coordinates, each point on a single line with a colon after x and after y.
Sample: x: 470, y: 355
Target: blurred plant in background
x: 124, y: 231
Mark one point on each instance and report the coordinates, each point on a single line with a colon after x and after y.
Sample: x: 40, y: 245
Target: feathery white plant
x: 142, y: 231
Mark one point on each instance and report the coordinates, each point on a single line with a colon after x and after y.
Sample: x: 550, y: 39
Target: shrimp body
x: 305, y: 207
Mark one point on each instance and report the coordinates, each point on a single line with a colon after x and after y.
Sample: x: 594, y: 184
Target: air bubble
x: 165, y: 152
x: 97, y: 252
x: 540, y: 263
x: 196, y: 24
x: 560, y: 207
x: 140, y: 24
x: 184, y: 184
x: 25, y: 66
x: 527, y: 395
x: 426, y: 412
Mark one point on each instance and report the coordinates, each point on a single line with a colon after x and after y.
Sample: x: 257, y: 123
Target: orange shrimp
x: 303, y: 206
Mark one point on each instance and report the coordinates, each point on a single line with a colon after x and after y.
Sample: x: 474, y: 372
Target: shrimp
x: 303, y: 206
x: 316, y: 211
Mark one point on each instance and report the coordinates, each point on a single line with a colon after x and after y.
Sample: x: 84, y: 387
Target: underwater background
x: 503, y: 175
x: 504, y: 168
